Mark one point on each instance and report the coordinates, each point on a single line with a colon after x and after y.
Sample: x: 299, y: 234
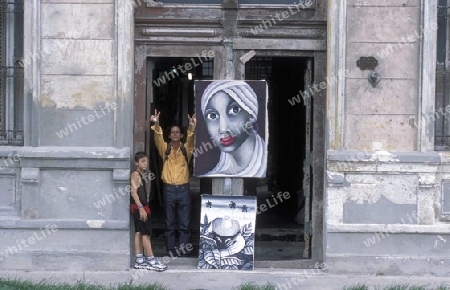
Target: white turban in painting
x: 243, y: 94
x: 240, y: 91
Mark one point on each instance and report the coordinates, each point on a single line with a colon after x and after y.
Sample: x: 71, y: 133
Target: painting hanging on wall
x: 227, y: 232
x: 232, y: 132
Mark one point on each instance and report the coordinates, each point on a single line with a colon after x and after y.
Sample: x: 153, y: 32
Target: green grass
x: 397, y: 287
x: 154, y: 286
x: 253, y: 286
x: 357, y: 287
x: 414, y: 287
x: 7, y: 284
x: 405, y: 287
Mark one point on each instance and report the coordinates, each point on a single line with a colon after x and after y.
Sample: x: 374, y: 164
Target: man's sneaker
x: 156, y: 265
x: 142, y: 265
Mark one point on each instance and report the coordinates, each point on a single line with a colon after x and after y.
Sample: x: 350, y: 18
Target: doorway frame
x: 141, y: 126
x: 317, y: 242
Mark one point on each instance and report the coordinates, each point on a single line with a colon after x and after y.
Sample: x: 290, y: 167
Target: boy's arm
x: 135, y: 182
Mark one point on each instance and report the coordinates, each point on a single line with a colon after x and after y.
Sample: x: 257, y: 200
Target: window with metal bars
x: 11, y: 72
x: 306, y: 2
x: 442, y: 115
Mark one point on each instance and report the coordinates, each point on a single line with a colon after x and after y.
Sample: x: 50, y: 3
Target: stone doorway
x: 281, y: 236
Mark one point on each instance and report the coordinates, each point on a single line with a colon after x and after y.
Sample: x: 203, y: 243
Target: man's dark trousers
x: 177, y: 205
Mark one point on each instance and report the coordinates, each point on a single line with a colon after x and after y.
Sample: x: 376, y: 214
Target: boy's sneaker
x: 156, y: 265
x: 142, y: 265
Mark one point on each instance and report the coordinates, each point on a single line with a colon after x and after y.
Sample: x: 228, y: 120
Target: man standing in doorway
x: 175, y: 176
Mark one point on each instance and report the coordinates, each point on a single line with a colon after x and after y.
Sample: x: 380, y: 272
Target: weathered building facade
x: 357, y: 153
x: 386, y: 197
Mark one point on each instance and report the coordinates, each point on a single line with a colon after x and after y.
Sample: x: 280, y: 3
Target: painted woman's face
x: 226, y: 121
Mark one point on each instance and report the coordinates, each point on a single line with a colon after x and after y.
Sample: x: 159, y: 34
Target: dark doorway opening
x: 170, y: 90
x: 285, y: 78
x: 280, y: 228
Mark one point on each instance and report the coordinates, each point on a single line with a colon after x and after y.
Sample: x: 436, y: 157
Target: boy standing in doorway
x: 141, y: 217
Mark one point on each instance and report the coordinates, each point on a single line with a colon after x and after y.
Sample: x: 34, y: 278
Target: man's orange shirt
x: 175, y: 169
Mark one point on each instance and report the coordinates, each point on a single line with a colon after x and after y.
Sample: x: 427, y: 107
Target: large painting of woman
x: 231, y: 128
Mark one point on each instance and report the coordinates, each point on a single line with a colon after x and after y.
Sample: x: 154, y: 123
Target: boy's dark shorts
x: 145, y: 228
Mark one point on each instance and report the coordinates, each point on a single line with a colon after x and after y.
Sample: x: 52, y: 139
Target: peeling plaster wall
x: 386, y: 113
x: 64, y: 195
x: 77, y: 75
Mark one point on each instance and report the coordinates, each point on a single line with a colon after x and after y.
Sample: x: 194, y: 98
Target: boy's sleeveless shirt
x: 142, y: 192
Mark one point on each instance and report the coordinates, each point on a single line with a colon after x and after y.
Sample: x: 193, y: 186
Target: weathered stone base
x: 388, y: 253
x: 388, y: 265
x: 56, y: 249
x: 67, y: 261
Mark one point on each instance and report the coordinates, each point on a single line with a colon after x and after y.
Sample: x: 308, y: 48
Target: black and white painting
x: 227, y: 232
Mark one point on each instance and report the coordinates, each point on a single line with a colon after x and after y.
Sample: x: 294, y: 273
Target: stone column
x: 229, y: 186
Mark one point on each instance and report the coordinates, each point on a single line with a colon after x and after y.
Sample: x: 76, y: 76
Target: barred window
x: 442, y: 125
x: 208, y: 68
x: 11, y: 72
x: 307, y: 2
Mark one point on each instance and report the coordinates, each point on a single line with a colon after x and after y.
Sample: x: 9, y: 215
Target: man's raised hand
x: 155, y: 118
x: 192, y: 121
